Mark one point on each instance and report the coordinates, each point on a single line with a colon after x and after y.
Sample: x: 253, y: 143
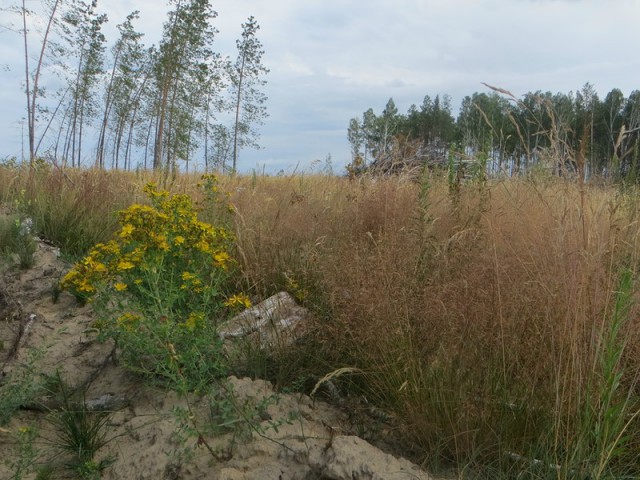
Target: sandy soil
x: 292, y: 437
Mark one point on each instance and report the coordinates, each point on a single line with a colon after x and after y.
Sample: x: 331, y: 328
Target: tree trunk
x: 235, y: 127
x: 33, y: 95
x: 105, y: 117
x: 157, y: 154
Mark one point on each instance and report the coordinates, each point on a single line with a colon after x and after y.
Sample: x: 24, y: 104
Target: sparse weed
x: 23, y: 385
x: 17, y: 239
x: 79, y: 433
x: 23, y: 460
x: 226, y: 415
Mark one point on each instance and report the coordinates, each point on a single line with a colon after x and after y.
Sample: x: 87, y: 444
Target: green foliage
x: 575, y: 133
x: 161, y: 286
x: 377, y: 138
x: 22, y: 386
x: 609, y: 413
x: 79, y: 433
x: 23, y: 460
x: 121, y: 98
x: 83, y: 31
x: 246, y: 79
x: 17, y: 238
x: 184, y: 69
x: 228, y: 415
x: 17, y: 231
x: 179, y: 85
x: 455, y: 176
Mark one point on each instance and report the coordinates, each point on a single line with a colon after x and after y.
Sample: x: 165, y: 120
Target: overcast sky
x: 330, y: 60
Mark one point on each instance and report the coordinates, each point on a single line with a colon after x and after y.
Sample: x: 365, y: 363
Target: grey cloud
x: 332, y: 59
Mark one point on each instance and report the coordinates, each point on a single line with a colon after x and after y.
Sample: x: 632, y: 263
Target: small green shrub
x: 228, y: 414
x: 160, y: 287
x: 22, y: 462
x: 16, y: 238
x: 23, y: 385
x: 79, y: 433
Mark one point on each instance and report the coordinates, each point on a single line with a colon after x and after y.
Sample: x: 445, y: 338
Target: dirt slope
x: 286, y: 437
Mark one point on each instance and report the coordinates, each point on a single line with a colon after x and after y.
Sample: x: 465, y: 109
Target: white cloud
x: 290, y: 64
x: 332, y: 59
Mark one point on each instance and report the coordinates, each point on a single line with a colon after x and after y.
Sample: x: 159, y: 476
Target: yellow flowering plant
x: 160, y: 285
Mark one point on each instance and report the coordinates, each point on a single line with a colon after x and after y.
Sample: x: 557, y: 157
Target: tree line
x: 123, y: 104
x: 568, y: 133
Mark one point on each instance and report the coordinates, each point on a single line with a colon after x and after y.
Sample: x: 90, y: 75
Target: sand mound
x: 153, y: 433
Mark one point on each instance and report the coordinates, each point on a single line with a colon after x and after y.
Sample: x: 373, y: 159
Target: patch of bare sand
x: 290, y: 437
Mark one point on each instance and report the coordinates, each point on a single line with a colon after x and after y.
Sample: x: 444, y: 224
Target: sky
x: 330, y: 60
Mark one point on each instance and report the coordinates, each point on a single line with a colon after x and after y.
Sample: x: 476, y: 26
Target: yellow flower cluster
x: 209, y: 184
x: 239, y: 300
x: 162, y: 284
x: 191, y: 282
x: 195, y: 320
x: 96, y: 268
x: 165, y: 232
x: 293, y: 286
x: 128, y: 321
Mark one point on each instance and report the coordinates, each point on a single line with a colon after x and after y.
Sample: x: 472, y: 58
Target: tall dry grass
x: 482, y: 322
x: 75, y: 209
x: 497, y: 322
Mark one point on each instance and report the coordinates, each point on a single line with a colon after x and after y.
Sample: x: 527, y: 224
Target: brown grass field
x: 497, y: 324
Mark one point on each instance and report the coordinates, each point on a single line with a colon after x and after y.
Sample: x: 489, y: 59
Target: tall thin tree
x: 184, y: 52
x: 32, y: 79
x: 84, y: 32
x: 127, y: 55
x: 246, y: 79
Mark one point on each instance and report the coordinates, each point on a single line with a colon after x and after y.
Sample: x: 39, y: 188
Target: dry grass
x: 481, y: 321
x: 481, y: 325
